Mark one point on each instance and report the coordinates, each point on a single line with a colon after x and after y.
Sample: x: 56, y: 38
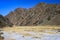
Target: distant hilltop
x: 41, y: 14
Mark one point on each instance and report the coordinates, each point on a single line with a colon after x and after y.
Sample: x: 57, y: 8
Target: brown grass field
x: 31, y: 28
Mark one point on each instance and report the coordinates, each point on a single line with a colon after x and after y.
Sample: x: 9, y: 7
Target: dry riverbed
x: 31, y: 33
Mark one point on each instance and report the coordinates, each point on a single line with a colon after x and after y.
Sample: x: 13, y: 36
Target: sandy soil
x: 31, y: 33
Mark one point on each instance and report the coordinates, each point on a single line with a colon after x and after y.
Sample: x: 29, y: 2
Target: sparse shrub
x: 58, y: 12
x: 48, y: 18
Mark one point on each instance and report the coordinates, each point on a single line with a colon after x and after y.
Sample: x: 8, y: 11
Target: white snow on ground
x: 34, y: 36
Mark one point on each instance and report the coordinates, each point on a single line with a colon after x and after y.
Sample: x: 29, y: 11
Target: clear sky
x: 7, y: 6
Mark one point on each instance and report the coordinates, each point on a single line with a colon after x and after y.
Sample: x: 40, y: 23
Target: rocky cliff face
x: 4, y: 22
x: 41, y: 14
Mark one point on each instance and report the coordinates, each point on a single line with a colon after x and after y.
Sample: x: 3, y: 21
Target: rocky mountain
x: 41, y: 14
x: 4, y: 22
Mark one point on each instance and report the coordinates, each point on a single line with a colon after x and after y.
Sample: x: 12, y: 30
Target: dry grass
x: 31, y: 28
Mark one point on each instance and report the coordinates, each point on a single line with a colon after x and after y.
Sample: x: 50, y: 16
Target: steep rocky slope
x: 41, y: 14
x: 4, y: 22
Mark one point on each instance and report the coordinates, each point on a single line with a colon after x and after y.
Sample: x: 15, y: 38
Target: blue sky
x: 7, y: 6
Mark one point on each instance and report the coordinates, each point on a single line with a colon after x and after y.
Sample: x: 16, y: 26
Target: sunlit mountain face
x: 41, y: 14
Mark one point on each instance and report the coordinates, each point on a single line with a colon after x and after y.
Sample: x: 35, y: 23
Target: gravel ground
x: 31, y: 35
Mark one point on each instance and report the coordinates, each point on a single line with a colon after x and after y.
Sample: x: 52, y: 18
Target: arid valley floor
x: 31, y: 33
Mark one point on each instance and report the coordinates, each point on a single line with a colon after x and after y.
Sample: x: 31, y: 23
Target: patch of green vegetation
x: 58, y: 12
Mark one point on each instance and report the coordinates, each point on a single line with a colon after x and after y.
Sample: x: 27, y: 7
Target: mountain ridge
x: 41, y: 14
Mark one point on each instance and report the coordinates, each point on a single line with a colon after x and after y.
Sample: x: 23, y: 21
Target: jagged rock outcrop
x: 4, y: 22
x: 41, y: 14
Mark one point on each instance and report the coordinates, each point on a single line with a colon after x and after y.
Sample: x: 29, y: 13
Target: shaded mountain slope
x: 4, y: 22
